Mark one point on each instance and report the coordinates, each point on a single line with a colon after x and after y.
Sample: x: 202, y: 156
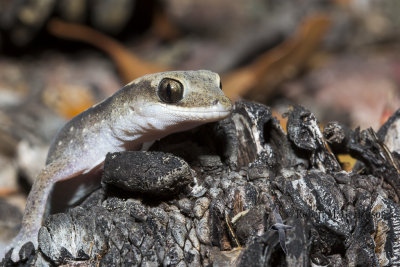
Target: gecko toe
x: 22, y: 247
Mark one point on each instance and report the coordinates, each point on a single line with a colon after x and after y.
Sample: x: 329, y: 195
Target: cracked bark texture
x: 213, y: 196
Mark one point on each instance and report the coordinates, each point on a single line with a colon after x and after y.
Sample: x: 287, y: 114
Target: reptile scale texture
x: 145, y: 110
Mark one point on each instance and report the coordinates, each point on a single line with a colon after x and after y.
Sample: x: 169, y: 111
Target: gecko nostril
x: 215, y: 102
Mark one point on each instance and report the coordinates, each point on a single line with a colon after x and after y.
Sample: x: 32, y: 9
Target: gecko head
x: 179, y: 100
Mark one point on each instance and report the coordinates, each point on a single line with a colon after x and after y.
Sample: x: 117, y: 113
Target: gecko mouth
x: 210, y: 109
x: 205, y: 114
x: 212, y: 113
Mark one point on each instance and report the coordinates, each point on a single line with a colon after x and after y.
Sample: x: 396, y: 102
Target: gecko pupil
x: 220, y: 85
x: 170, y: 91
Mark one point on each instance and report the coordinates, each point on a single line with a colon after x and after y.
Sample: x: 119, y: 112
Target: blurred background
x: 337, y: 58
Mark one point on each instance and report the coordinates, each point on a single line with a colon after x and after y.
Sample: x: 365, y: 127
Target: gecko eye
x: 170, y: 91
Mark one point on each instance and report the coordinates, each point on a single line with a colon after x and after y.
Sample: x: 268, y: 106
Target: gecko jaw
x: 214, y: 112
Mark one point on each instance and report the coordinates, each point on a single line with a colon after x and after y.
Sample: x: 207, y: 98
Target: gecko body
x: 146, y: 109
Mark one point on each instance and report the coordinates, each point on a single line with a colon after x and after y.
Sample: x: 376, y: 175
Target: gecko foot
x: 22, y: 246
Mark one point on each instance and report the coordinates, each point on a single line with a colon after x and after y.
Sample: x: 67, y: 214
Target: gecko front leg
x: 36, y: 205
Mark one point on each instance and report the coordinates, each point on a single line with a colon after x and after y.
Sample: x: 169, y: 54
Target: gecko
x: 144, y: 110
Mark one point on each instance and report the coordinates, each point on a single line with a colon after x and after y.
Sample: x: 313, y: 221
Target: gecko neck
x: 131, y: 130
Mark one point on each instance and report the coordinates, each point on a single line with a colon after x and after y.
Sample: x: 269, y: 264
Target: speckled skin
x: 133, y: 115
